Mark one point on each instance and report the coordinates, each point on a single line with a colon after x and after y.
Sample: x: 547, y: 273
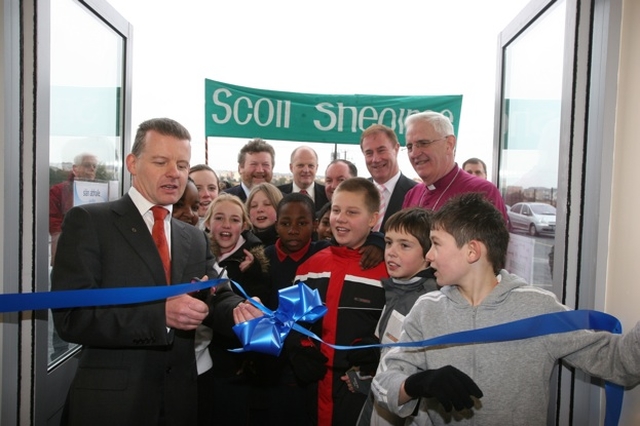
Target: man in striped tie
x: 380, y: 147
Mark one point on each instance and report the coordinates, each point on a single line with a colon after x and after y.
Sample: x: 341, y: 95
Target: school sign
x: 236, y: 111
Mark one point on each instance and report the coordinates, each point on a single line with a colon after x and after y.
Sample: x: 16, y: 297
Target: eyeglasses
x: 89, y: 165
x: 423, y: 144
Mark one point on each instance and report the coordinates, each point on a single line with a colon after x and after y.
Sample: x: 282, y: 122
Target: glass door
x: 90, y: 46
x: 530, y: 143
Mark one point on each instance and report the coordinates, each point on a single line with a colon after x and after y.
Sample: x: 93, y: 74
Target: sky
x: 374, y: 47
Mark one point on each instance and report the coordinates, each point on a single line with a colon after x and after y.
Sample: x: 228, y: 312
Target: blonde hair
x: 230, y: 198
x: 274, y: 195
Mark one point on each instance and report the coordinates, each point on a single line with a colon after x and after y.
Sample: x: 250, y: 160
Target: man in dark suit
x: 337, y: 171
x: 304, y: 166
x: 137, y: 365
x: 255, y: 165
x: 380, y: 147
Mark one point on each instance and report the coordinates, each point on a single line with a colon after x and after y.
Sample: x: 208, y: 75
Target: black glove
x: 307, y: 362
x: 366, y: 359
x: 447, y: 384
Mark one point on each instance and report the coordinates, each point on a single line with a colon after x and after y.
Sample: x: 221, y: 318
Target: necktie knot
x: 304, y: 191
x: 159, y: 213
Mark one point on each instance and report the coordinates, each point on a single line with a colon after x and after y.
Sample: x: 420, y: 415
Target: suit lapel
x: 180, y: 243
x: 397, y: 196
x: 134, y: 230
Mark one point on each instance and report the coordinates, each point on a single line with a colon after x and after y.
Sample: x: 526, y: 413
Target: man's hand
x: 246, y: 311
x: 185, y: 312
x: 371, y: 256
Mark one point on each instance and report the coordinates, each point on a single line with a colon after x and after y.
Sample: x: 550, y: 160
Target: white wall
x: 623, y: 281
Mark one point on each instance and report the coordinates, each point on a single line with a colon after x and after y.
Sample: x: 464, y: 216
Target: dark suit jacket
x: 319, y: 194
x: 403, y: 185
x: 238, y: 191
x: 130, y: 365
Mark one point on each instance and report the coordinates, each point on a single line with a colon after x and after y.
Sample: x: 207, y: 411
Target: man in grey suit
x: 137, y: 365
x: 304, y: 166
x: 380, y: 147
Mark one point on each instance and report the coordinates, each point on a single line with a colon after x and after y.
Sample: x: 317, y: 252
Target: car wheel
x: 532, y: 230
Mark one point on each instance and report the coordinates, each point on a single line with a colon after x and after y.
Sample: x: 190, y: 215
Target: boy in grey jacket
x: 469, y: 242
x: 406, y: 245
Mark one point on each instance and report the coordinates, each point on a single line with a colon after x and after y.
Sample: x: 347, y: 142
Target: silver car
x: 534, y: 218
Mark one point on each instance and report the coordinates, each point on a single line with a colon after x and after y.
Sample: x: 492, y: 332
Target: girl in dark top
x: 242, y: 254
x: 261, y: 205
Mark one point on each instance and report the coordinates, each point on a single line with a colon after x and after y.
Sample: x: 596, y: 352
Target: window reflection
x: 85, y: 162
x: 530, y: 140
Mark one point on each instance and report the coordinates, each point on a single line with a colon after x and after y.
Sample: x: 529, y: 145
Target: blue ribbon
x: 266, y: 334
x: 97, y: 297
x: 300, y: 303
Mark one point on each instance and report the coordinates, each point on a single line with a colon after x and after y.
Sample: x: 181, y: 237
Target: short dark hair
x: 353, y: 170
x: 363, y: 186
x: 323, y: 210
x: 164, y: 126
x: 296, y: 197
x: 415, y: 221
x: 254, y: 146
x: 474, y: 160
x: 379, y: 128
x: 472, y: 216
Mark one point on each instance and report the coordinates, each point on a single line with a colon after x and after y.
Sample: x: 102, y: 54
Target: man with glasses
x: 431, y: 146
x: 84, y: 167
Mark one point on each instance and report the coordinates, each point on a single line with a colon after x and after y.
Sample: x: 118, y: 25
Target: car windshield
x: 543, y: 209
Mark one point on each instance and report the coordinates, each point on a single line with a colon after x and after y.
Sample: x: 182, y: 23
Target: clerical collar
x: 443, y: 179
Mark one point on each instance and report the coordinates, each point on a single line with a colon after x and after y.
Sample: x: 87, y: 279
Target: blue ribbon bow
x: 267, y: 333
x: 300, y: 303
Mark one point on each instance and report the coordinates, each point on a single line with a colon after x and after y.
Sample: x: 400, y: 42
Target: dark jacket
x: 320, y: 196
x: 130, y: 367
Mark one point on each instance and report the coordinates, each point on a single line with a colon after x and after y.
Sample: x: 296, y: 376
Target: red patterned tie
x: 160, y: 238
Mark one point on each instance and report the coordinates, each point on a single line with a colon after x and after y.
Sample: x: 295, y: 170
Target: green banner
x: 236, y: 111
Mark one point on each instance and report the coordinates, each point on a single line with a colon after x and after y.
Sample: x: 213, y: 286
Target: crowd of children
x: 437, y: 265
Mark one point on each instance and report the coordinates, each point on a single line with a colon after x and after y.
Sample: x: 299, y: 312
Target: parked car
x: 534, y: 218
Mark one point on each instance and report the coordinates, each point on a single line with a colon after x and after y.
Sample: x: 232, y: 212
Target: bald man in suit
x: 304, y: 166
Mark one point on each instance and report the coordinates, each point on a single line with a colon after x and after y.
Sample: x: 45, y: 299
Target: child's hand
x: 450, y: 386
x: 246, y: 311
x: 347, y: 380
x: 371, y: 256
x: 248, y: 260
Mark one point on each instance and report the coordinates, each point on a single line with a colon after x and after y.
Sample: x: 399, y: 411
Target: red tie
x: 304, y: 191
x: 159, y: 237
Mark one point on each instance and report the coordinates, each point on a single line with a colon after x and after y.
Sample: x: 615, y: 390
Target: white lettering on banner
x: 236, y: 109
x: 244, y: 110
x: 362, y: 119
